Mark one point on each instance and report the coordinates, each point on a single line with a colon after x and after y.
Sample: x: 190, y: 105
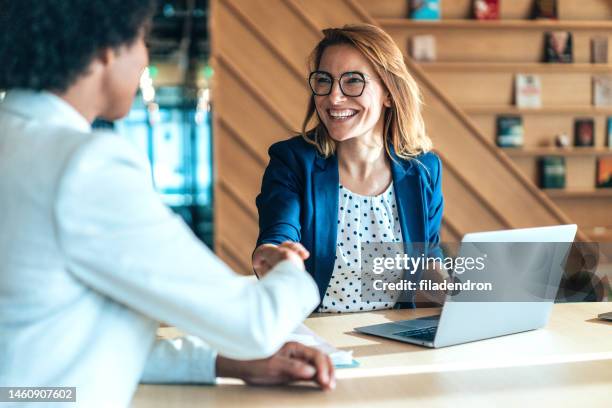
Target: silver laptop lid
x: 531, y: 268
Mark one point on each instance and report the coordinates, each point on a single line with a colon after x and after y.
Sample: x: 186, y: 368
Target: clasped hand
x: 266, y: 256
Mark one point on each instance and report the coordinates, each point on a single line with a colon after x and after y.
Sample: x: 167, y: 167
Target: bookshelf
x: 517, y: 67
x: 579, y: 193
x: 557, y: 151
x: 545, y: 110
x: 579, y: 10
x: 516, y: 24
x: 477, y: 62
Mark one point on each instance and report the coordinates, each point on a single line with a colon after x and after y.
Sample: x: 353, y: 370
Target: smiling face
x: 347, y: 117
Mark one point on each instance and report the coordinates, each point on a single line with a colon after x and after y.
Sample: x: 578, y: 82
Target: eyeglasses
x: 352, y: 83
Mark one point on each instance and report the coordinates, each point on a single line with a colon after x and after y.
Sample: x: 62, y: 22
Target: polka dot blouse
x: 361, y: 219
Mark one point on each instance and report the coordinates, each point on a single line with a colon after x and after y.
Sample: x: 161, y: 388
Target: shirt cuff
x: 181, y: 360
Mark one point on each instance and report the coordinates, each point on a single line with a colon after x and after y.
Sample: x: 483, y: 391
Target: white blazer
x: 91, y: 261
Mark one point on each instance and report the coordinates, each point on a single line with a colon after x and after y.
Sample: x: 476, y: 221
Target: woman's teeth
x: 342, y: 114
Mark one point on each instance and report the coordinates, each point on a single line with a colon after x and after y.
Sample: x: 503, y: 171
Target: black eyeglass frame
x: 363, y: 76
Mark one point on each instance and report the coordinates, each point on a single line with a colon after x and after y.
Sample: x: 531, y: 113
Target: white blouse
x: 361, y: 219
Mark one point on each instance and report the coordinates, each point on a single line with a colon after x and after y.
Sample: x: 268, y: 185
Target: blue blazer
x: 299, y: 202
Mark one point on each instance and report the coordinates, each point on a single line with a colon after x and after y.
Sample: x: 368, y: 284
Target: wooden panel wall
x: 259, y: 49
x: 259, y: 97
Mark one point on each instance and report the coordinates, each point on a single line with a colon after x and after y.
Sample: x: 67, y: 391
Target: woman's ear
x: 106, y: 56
x: 387, y: 101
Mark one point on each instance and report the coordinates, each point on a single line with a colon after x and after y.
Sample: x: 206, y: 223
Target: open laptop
x: 464, y: 321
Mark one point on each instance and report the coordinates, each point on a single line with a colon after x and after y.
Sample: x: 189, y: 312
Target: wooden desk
x: 568, y: 363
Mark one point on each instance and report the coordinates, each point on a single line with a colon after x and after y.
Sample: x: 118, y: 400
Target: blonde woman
x: 361, y: 171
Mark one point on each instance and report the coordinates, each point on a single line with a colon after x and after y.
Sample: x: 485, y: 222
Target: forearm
x: 154, y: 265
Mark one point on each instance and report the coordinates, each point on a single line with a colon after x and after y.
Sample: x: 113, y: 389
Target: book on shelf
x: 602, y: 90
x: 609, y: 132
x: 545, y: 9
x: 552, y: 172
x: 509, y: 131
x: 584, y: 132
x: 423, y: 48
x: 604, y: 172
x: 425, y: 9
x: 528, y: 91
x: 558, y: 46
x: 599, y: 49
x: 486, y: 9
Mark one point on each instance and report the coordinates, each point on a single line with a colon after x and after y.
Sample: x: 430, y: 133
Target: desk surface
x: 568, y: 363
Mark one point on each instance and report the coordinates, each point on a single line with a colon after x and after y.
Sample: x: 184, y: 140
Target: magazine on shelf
x: 552, y: 172
x: 599, y: 50
x: 528, y: 91
x: 509, y: 131
x: 486, y: 9
x: 558, y: 46
x: 584, y: 132
x: 609, y: 131
x: 602, y: 90
x: 423, y: 48
x: 545, y: 9
x: 425, y: 9
x: 604, y: 172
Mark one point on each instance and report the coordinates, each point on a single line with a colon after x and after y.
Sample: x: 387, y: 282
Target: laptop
x: 465, y: 321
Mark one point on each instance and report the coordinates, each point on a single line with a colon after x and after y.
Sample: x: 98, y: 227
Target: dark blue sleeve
x: 279, y: 202
x: 436, y: 202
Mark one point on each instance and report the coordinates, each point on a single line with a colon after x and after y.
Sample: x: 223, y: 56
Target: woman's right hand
x: 266, y: 256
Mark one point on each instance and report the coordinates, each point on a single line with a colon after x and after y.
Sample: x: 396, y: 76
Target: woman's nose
x: 336, y: 94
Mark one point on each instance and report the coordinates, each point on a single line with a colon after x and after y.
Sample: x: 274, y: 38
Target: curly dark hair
x: 49, y: 44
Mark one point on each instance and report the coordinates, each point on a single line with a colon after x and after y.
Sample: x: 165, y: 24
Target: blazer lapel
x: 409, y: 197
x: 325, y: 189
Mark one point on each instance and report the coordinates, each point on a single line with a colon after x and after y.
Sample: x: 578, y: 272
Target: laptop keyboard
x: 426, y: 334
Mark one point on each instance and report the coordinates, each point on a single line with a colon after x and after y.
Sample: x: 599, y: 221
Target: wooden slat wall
x: 259, y: 97
x: 259, y: 50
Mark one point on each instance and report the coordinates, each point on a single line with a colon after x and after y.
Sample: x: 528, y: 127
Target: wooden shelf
x: 591, y: 193
x: 497, y: 24
x: 516, y: 67
x: 556, y: 151
x: 545, y: 110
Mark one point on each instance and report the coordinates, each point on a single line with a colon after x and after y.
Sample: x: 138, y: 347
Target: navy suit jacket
x: 299, y: 202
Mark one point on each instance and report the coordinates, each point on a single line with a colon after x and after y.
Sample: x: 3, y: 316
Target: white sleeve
x: 183, y: 360
x: 119, y: 239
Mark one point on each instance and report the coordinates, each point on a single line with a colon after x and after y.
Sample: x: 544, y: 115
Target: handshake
x: 294, y: 361
x: 266, y: 256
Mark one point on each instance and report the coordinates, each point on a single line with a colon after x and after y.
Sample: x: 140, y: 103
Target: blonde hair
x: 403, y: 122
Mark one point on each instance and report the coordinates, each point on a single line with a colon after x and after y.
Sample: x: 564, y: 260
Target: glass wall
x: 175, y: 134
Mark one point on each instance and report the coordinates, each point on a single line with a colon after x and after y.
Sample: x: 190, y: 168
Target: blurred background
x: 171, y: 117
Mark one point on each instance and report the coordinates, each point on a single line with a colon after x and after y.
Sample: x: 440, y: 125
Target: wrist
x: 228, y: 368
